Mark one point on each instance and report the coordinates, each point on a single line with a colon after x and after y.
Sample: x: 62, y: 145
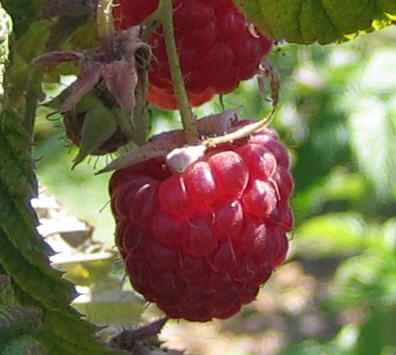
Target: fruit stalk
x: 243, y: 132
x: 188, y: 120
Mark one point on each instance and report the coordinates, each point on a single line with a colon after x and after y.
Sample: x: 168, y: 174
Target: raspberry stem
x: 105, y: 23
x: 188, y: 119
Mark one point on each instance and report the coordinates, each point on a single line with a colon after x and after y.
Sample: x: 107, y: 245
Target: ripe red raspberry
x: 216, y: 48
x: 200, y: 243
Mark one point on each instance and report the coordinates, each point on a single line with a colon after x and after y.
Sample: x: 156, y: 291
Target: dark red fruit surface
x: 200, y: 243
x: 216, y: 48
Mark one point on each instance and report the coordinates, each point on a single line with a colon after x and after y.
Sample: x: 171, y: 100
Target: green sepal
x: 324, y: 21
x: 100, y: 123
x: 125, y: 123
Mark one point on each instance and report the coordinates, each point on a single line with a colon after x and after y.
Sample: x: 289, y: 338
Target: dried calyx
x: 99, y: 107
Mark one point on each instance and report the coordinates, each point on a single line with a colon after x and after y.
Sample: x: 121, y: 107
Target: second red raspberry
x: 216, y: 48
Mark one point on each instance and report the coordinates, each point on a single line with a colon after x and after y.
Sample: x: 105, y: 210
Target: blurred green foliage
x: 338, y: 118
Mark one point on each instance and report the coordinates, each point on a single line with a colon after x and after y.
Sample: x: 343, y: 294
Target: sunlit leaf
x: 325, y: 21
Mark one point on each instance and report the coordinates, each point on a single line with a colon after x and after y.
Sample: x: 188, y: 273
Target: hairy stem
x: 188, y: 119
x: 31, y: 101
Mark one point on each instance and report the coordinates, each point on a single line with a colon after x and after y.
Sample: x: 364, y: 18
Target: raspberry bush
x: 217, y: 49
x: 198, y: 242
x: 201, y: 242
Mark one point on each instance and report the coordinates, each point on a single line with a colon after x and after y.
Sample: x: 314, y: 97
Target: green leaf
x: 70, y: 333
x: 325, y: 21
x: 24, y: 255
x: 52, y: 294
x: 15, y: 321
x: 62, y: 327
x: 23, y: 345
x: 17, y: 166
x: 17, y: 324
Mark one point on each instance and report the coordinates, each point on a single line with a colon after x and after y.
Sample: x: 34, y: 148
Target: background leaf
x: 372, y: 121
x: 23, y: 12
